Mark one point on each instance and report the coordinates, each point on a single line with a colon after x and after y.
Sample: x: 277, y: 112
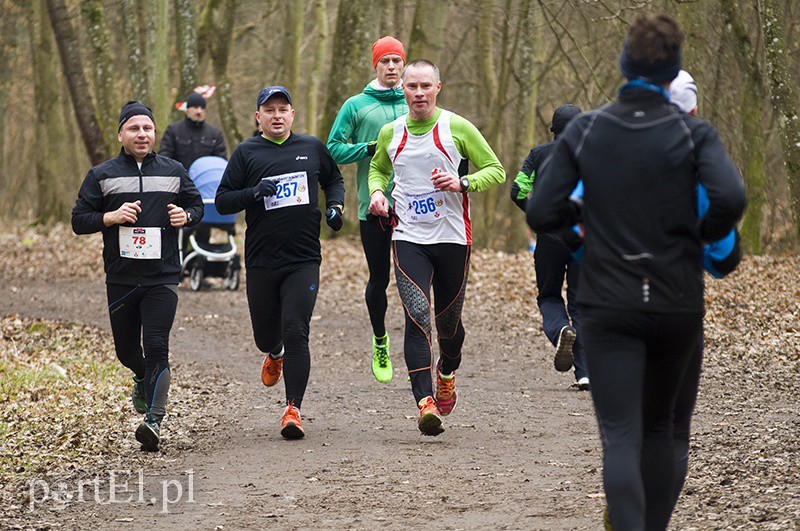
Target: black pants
x: 553, y: 262
x: 377, y: 245
x: 281, y: 302
x: 682, y: 423
x: 445, y: 266
x: 141, y: 320
x: 638, y: 361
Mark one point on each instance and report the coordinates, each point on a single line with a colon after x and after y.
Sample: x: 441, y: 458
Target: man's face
x: 389, y: 68
x: 138, y: 135
x: 197, y: 113
x: 275, y: 117
x: 421, y: 88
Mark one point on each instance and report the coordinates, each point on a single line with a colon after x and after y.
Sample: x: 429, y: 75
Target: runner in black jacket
x: 554, y: 262
x: 641, y: 286
x: 138, y: 200
x: 275, y: 178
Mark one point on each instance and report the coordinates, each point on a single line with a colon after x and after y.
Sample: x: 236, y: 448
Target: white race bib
x: 292, y: 191
x: 140, y: 243
x: 426, y: 207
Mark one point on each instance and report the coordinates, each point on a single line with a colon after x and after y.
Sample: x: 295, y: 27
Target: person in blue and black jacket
x: 138, y: 200
x: 641, y: 283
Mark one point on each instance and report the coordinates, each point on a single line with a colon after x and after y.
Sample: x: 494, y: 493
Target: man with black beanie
x: 191, y: 138
x: 554, y: 262
x: 138, y: 200
x: 641, y: 285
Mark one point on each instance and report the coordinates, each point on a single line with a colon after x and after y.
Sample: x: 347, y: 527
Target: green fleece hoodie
x: 360, y: 120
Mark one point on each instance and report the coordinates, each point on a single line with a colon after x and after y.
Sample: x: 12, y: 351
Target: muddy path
x: 520, y: 452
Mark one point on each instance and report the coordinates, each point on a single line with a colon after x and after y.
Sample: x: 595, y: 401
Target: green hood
x: 392, y: 95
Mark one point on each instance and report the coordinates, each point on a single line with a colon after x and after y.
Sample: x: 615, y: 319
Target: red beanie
x: 386, y: 45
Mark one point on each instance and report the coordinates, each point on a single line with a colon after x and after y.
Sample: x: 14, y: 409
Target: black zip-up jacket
x: 187, y: 140
x: 160, y: 182
x: 640, y: 161
x: 288, y: 235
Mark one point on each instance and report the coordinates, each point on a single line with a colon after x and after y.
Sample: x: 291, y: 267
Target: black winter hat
x: 131, y: 109
x: 660, y: 71
x: 195, y: 100
x: 562, y: 116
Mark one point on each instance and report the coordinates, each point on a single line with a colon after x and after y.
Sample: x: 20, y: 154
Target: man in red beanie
x: 352, y: 139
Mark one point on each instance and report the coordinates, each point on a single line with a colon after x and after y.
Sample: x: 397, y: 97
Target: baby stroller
x: 199, y: 258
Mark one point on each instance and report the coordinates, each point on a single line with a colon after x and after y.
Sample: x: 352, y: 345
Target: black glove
x: 265, y: 188
x: 333, y: 217
x: 371, y: 148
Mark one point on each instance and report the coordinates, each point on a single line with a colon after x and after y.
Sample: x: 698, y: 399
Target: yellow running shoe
x: 381, y: 363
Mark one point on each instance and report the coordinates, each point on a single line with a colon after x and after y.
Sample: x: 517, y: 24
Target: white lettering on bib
x: 292, y: 191
x: 140, y: 243
x: 426, y: 207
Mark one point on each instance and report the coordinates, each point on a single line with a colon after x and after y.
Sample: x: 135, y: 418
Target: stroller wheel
x: 196, y: 279
x: 232, y: 279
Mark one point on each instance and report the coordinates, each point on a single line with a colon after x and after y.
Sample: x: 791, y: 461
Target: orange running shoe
x: 271, y: 370
x: 446, y: 393
x: 430, y: 421
x: 291, y: 425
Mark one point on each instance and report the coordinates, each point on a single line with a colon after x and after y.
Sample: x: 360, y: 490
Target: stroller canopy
x: 206, y: 172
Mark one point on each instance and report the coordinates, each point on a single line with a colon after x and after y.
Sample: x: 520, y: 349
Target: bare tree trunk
x: 219, y: 45
x: 320, y: 54
x: 292, y: 44
x: 8, y: 51
x: 69, y: 50
x: 784, y: 101
x: 355, y: 24
x: 102, y: 68
x: 136, y: 51
x: 157, y: 61
x: 752, y: 105
x: 186, y: 38
x: 428, y: 31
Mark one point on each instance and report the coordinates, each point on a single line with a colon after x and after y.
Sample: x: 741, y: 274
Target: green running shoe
x: 381, y: 363
x: 138, y: 395
x: 148, y: 434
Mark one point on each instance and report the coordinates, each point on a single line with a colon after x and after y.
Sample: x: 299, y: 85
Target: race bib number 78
x: 140, y: 243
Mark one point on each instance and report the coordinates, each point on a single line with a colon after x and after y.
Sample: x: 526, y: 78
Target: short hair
x: 419, y: 63
x: 654, y: 38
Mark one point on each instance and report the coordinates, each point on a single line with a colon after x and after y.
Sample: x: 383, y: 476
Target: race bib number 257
x: 292, y: 191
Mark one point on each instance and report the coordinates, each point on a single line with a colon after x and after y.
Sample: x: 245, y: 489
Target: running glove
x: 371, y: 148
x: 333, y: 217
x: 265, y: 188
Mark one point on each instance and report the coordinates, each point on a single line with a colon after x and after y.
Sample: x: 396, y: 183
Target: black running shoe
x: 563, y: 359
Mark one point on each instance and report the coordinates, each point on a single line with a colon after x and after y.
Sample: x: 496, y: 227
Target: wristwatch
x: 464, y: 184
x: 188, y: 217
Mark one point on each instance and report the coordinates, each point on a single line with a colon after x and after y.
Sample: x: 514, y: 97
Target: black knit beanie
x: 562, y: 116
x: 658, y: 72
x: 131, y: 109
x: 195, y: 100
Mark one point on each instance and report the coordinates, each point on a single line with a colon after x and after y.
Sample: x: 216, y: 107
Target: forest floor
x: 520, y: 452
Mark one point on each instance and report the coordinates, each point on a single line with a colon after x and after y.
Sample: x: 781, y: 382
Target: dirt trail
x: 520, y: 452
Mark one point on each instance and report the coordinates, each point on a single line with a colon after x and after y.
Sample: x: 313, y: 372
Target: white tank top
x: 426, y: 215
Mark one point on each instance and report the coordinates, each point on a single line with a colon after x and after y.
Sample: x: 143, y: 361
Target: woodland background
x: 67, y: 66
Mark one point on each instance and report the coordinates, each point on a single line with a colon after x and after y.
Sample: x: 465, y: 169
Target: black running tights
x: 281, y: 303
x: 377, y: 245
x: 445, y: 266
x: 637, y: 363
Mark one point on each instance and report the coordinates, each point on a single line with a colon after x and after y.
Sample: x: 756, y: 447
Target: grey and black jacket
x: 160, y: 181
x: 187, y: 140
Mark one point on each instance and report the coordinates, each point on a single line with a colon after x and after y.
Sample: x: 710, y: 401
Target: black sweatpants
x: 637, y: 363
x: 553, y: 262
x: 281, y: 303
x: 377, y: 245
x: 141, y: 320
x: 445, y: 266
